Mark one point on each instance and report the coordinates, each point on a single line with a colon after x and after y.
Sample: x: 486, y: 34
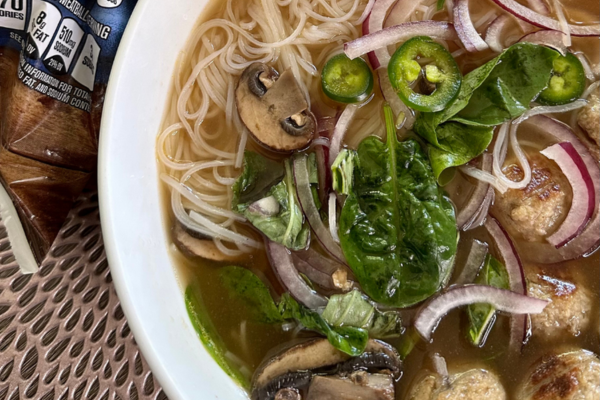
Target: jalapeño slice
x: 443, y: 72
x: 567, y: 82
x: 345, y: 80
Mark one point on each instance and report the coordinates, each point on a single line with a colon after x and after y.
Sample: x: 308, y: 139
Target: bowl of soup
x: 358, y: 199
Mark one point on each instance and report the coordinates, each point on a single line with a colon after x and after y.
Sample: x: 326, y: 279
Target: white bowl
x: 132, y: 217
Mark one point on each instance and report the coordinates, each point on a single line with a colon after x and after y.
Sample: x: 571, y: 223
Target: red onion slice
x: 562, y: 21
x: 402, y: 12
x: 543, y: 21
x: 516, y: 277
x: 492, y: 35
x: 320, y: 262
x: 430, y: 315
x: 336, y: 280
x: 469, y: 211
x: 326, y: 125
x: 584, y: 198
x: 310, y: 209
x: 379, y: 57
x: 589, y: 240
x: 549, y: 38
x: 281, y: 260
x: 366, y: 12
x: 333, y: 229
x: 340, y: 131
x: 475, y: 260
x: 397, y: 105
x: 464, y: 28
x: 539, y: 6
x: 482, y: 214
x: 399, y: 33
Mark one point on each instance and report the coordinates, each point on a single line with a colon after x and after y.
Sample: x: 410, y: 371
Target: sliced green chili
x: 404, y: 70
x: 567, y: 82
x: 345, y: 80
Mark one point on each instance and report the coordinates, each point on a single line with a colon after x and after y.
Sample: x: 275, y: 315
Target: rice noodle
x: 500, y: 156
x: 484, y: 176
x: 501, y: 145
x: 550, y: 110
x: 586, y: 66
x: 590, y: 89
x: 199, y: 166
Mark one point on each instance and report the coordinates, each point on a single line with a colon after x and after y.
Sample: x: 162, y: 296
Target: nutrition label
x: 13, y: 14
x: 44, y: 22
x: 63, y: 47
x: 66, y: 46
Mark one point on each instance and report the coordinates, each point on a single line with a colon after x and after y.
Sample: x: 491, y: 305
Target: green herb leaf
x: 496, y: 92
x: 481, y: 315
x: 350, y: 340
x: 208, y: 333
x: 342, y: 170
x: 263, y: 178
x: 313, y: 178
x: 397, y: 227
x: 252, y: 294
x: 440, y: 4
x: 259, y: 174
x: 519, y: 75
x: 351, y: 309
x: 453, y: 144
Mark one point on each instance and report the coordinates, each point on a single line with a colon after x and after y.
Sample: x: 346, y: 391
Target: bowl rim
x: 131, y: 210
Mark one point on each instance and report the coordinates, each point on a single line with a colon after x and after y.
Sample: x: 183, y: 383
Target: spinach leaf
x: 341, y: 171
x: 259, y: 174
x: 397, y: 228
x: 518, y: 77
x: 497, y: 91
x: 262, y: 178
x: 453, y: 144
x: 208, y: 333
x: 313, y: 178
x: 252, y: 293
x: 481, y: 315
x: 350, y: 340
x: 350, y: 309
x: 440, y: 4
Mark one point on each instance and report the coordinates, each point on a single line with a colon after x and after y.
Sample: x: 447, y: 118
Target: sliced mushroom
x: 299, y: 367
x: 274, y: 109
x: 372, y: 387
x: 196, y: 245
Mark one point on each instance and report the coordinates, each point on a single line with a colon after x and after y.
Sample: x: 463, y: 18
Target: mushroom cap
x: 274, y: 109
x: 314, y: 354
x: 297, y: 366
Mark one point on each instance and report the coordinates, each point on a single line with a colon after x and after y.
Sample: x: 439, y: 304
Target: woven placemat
x: 63, y: 334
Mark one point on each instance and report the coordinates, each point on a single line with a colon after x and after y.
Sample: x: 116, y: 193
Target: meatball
x: 474, y: 384
x: 589, y: 118
x: 536, y: 211
x: 571, y: 303
x: 568, y: 376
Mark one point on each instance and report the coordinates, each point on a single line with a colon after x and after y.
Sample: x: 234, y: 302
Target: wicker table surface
x: 63, y: 334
